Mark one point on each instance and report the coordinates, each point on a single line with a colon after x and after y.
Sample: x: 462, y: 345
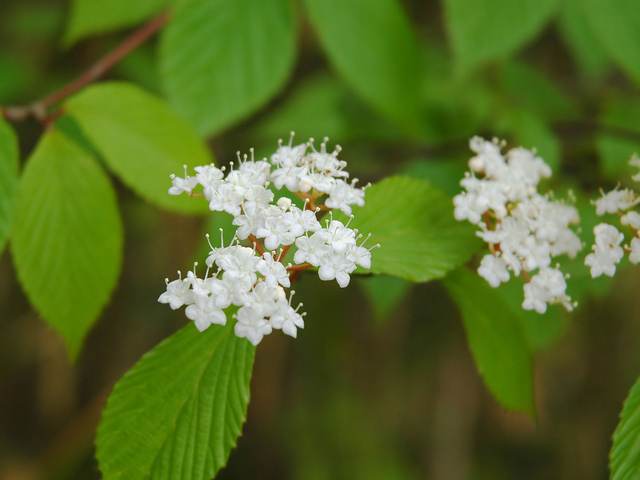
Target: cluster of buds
x: 523, y: 229
x: 254, y: 278
x: 607, y: 252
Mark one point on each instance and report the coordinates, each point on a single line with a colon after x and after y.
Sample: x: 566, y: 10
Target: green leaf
x: 312, y: 110
x: 531, y: 131
x: 496, y: 340
x: 528, y: 88
x: 8, y: 179
x: 587, y: 50
x: 220, y: 60
x: 141, y: 139
x: 179, y: 411
x: 372, y: 45
x: 89, y: 17
x: 486, y: 31
x: 540, y: 331
x: 620, y: 136
x: 442, y: 174
x: 384, y: 293
x: 624, y: 458
x: 414, y: 224
x: 618, y: 30
x: 67, y: 236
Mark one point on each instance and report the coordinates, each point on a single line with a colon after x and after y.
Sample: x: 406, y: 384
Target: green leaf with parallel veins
x: 618, y: 29
x: 481, y: 32
x: 141, y: 139
x: 372, y: 45
x: 624, y: 458
x: 67, y: 236
x: 179, y: 411
x: 8, y: 179
x: 414, y: 224
x: 220, y: 60
x: 620, y: 137
x: 499, y: 347
x: 89, y: 17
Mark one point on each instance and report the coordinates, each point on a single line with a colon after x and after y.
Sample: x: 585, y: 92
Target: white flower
x: 632, y: 219
x: 253, y: 279
x: 186, y: 184
x: 276, y: 230
x: 634, y: 255
x: 606, y: 251
x: 493, y: 269
x: 205, y: 313
x: 210, y: 177
x: 251, y: 324
x: 343, y: 194
x: 303, y: 221
x: 312, y: 249
x: 178, y: 293
x: 273, y: 271
x: 287, y: 318
x: 523, y: 229
x: 547, y: 286
x: 226, y: 198
x: 635, y: 162
x: 616, y: 200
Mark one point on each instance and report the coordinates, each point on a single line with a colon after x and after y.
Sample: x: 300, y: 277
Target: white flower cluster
x: 254, y: 278
x: 607, y: 252
x: 522, y: 228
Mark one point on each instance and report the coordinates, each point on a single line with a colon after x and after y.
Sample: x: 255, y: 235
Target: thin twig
x: 39, y: 108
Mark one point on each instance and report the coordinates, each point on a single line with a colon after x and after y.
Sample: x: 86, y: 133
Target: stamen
x: 351, y: 217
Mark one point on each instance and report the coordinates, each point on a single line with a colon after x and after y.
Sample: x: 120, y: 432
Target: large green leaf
x: 89, y: 17
x: 618, y: 139
x: 494, y: 29
x: 414, y: 224
x: 372, y: 45
x: 220, y: 60
x: 8, y: 179
x: 496, y: 340
x: 540, y: 331
x: 141, y: 139
x: 179, y: 411
x: 587, y: 50
x: 617, y: 26
x: 527, y: 88
x: 67, y: 236
x: 624, y: 458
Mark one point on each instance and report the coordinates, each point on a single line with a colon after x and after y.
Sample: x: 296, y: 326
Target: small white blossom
x: 632, y: 219
x: 616, y: 200
x: 253, y: 278
x: 494, y: 270
x: 547, y: 286
x: 607, y: 252
x: 634, y: 255
x: 523, y: 229
x: 180, y: 185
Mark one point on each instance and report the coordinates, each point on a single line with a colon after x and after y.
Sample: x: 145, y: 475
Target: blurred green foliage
x: 381, y: 383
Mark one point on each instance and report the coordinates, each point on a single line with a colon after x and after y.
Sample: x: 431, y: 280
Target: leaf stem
x: 39, y: 108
